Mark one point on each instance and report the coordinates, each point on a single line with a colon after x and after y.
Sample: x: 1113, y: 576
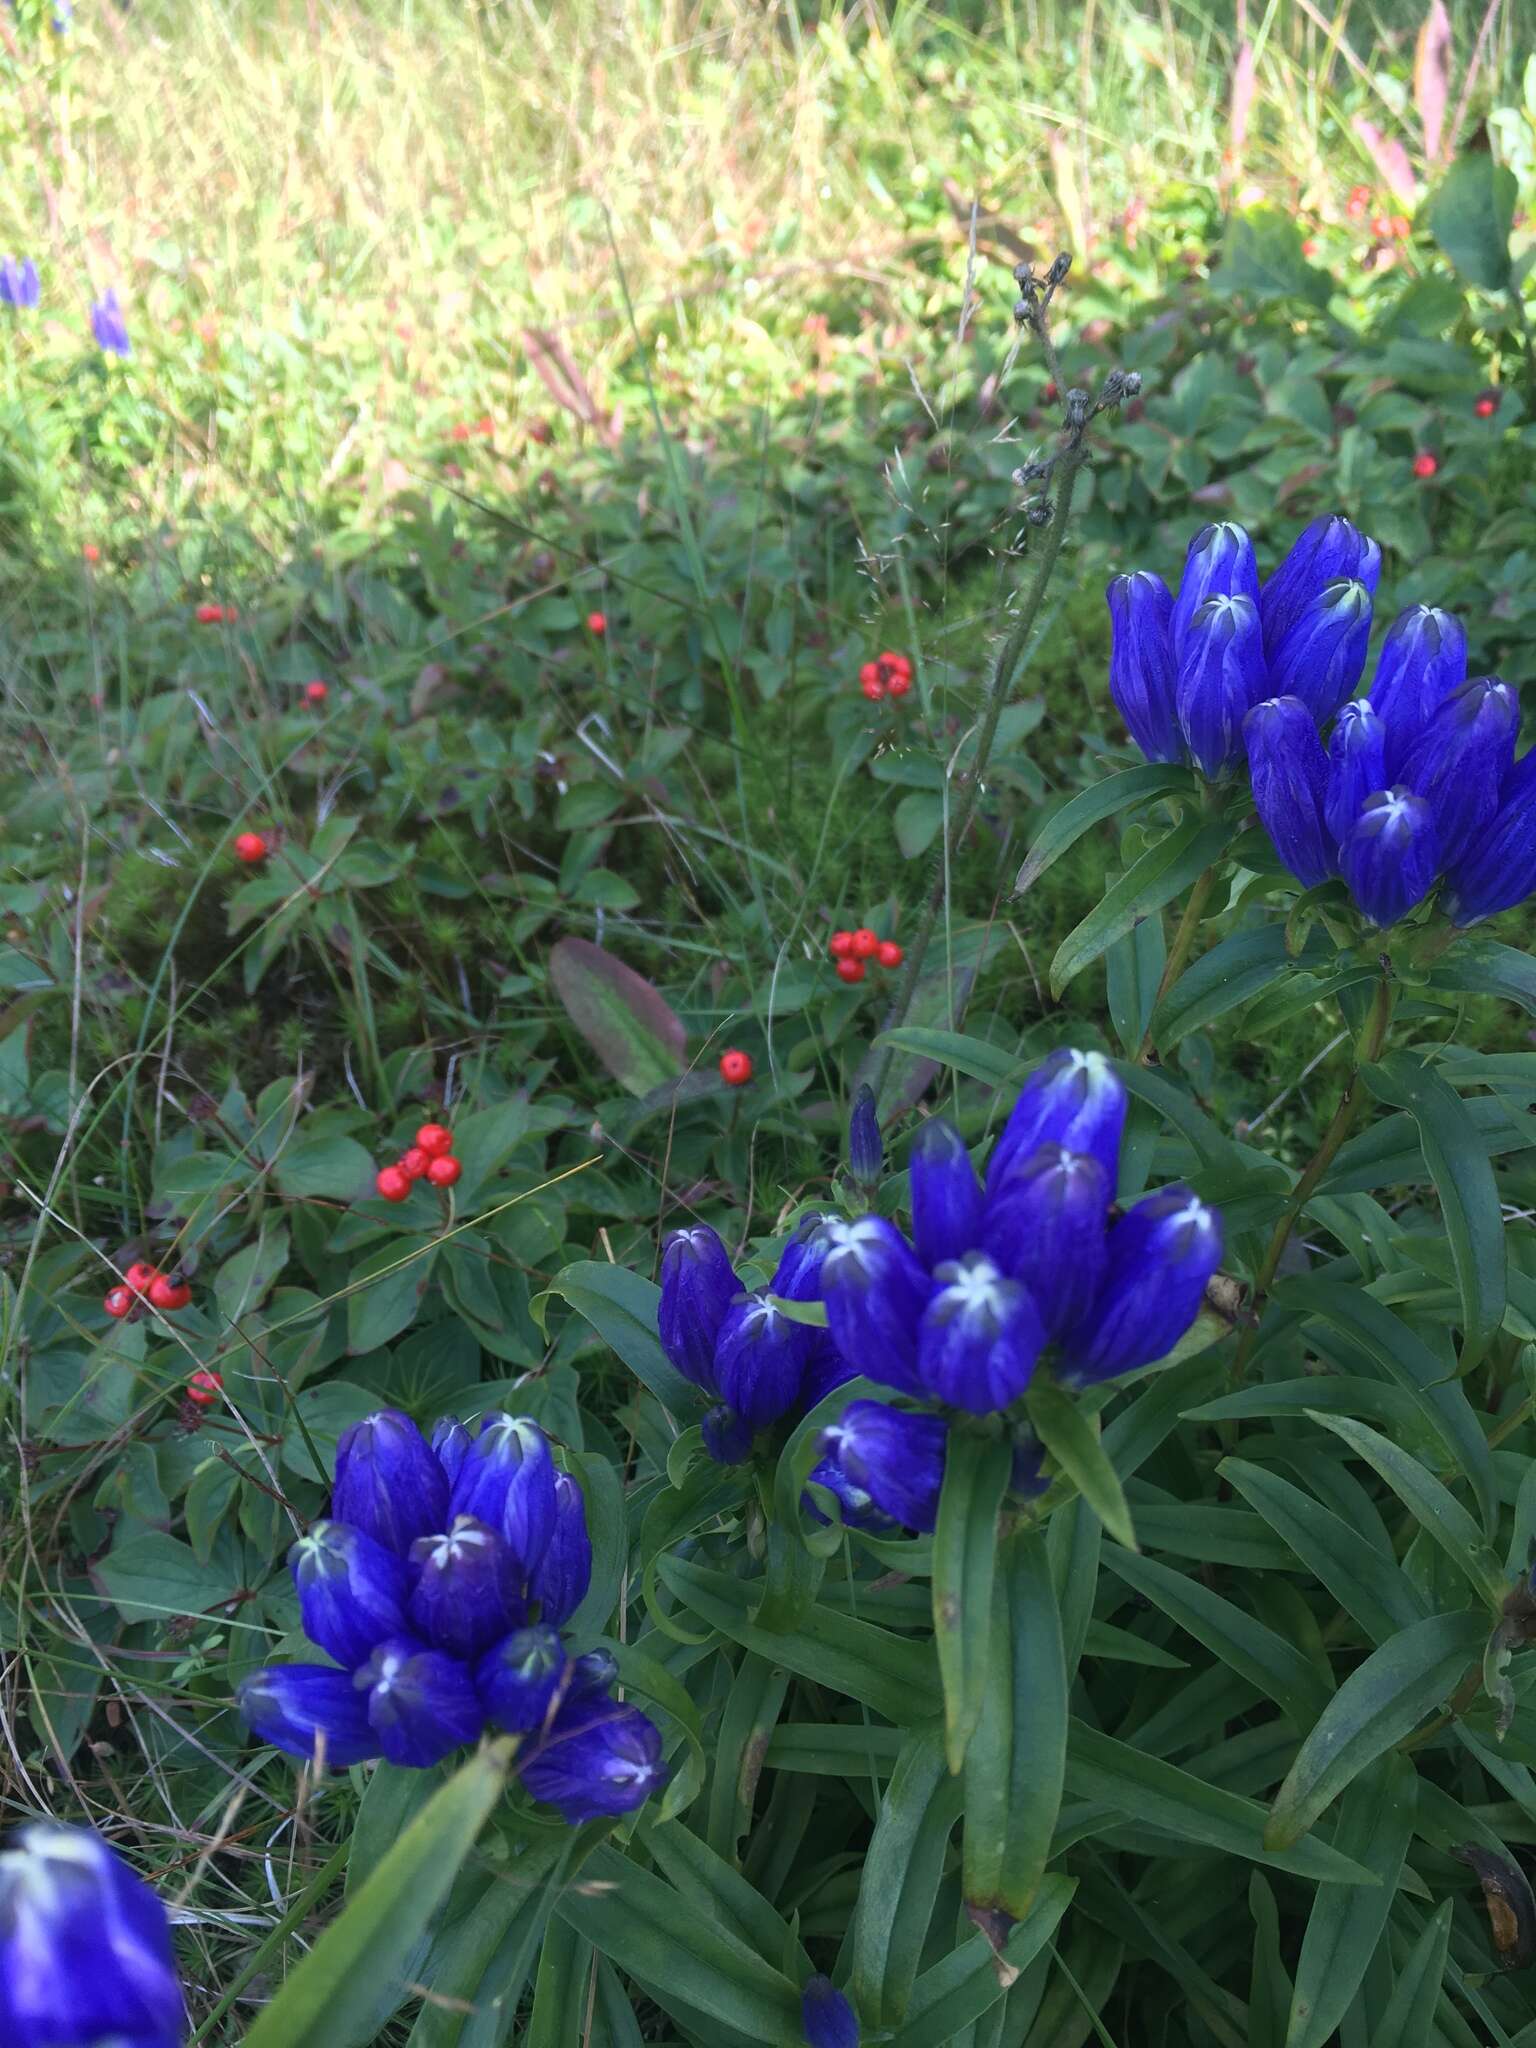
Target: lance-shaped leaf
x: 627, y: 1023
x: 976, y: 1474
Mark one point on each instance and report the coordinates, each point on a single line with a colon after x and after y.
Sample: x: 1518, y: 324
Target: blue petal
x: 1162, y: 1254
x: 1045, y: 1228
x: 1329, y: 550
x: 759, y: 1358
x: 1221, y: 677
x: 518, y: 1678
x: 698, y: 1285
x: 895, y: 1457
x: 1073, y: 1099
x: 421, y: 1703
x: 1460, y: 761
x: 450, y: 1445
x: 507, y: 1481
x: 980, y: 1337
x: 1422, y: 660
x: 598, y: 1758
x: 1220, y: 563
x: 1498, y: 870
x: 829, y: 2020
x: 352, y: 1591
x: 560, y: 1581
x: 467, y: 1590
x: 797, y: 1276
x: 875, y: 1291
x: 866, y: 1154
x: 1141, y: 667
x: 388, y: 1484
x: 1321, y: 654
x: 308, y: 1710
x: 1288, y: 769
x: 946, y: 1195
x: 1357, y: 767
x: 727, y: 1435
x: 858, y: 1510
x: 1392, y: 855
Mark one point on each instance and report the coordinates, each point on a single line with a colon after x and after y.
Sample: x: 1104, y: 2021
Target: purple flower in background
x: 109, y: 327
x: 19, y: 284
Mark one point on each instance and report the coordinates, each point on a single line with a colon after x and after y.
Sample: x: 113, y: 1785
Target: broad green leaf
x: 719, y: 1890
x: 1470, y: 215
x: 337, y: 1982
x: 1409, y: 2019
x: 1262, y: 257
x: 1380, y: 1702
x: 335, y: 1169
x: 1230, y: 975
x: 385, y: 1293
x: 900, y: 1876
x: 627, y: 1023
x: 621, y: 1306
x: 149, y: 1576
x: 1014, y: 1771
x: 1092, y: 806
x: 897, y: 1678
x: 1162, y: 873
x: 1159, y: 1795
x: 1073, y: 1442
x: 1469, y: 1194
x: 1347, y: 1921
x: 1485, y: 968
x: 976, y: 1475
x: 478, y: 1967
x: 1433, y: 1506
x: 244, y: 1279
x: 1276, y: 1667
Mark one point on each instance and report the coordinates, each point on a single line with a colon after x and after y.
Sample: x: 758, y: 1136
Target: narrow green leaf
x: 1485, y: 968
x: 968, y: 1981
x: 1380, y: 1702
x: 1463, y: 1178
x: 1133, y: 969
x: 899, y: 1881
x: 1014, y: 1772
x: 1230, y: 975
x: 337, y: 1982
x: 752, y: 1710
x: 1073, y: 1441
x: 621, y: 1306
x: 1092, y: 806
x: 1409, y: 2020
x: 1245, y: 1645
x: 993, y: 1064
x: 1162, y: 873
x: 976, y: 1475
x: 1347, y: 1921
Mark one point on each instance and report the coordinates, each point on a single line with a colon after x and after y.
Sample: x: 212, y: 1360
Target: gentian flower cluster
x: 85, y: 1948
x: 109, y: 326
x: 1415, y: 784
x: 19, y: 284
x: 958, y: 1315
x: 439, y: 1586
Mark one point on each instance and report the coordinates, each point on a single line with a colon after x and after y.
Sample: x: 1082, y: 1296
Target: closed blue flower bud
x: 1391, y: 856
x: 1320, y: 656
x: 388, y: 1484
x: 875, y: 1291
x: 1045, y: 1228
x: 599, y: 1757
x: 1422, y: 660
x: 421, y: 1703
x: 759, y: 1358
x: 946, y: 1195
x: 698, y: 1285
x: 1073, y: 1099
x: 560, y: 1580
x: 518, y: 1678
x: 352, y: 1591
x: 1162, y: 1253
x: 309, y: 1711
x: 1221, y: 676
x: 1220, y: 563
x: 727, y: 1435
x: 18, y: 282
x: 895, y: 1457
x: 1141, y: 667
x: 467, y: 1590
x: 109, y: 327
x: 1330, y: 550
x: 1498, y: 870
x: 1289, y: 772
x: 854, y: 1503
x: 1459, y: 762
x: 866, y: 1154
x: 507, y: 1481
x: 596, y: 1672
x: 829, y: 2019
x: 980, y: 1337
x: 1357, y: 767
x: 450, y: 1445
x: 85, y: 1948
x: 797, y: 1276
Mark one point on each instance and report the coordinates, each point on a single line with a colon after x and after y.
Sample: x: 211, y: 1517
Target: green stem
x: 1373, y: 1036
x: 1005, y: 668
x: 1183, y: 945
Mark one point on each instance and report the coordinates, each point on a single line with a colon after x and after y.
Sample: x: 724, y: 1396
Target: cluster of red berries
x: 852, y: 952
x: 462, y: 430
x: 251, y: 848
x: 888, y: 675
x: 735, y: 1068
x: 430, y: 1158
x: 217, y: 615
x: 143, y: 1282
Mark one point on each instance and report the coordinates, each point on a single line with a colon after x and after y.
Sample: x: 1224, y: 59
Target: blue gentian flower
x: 85, y: 1948
x: 759, y: 1361
x: 1162, y: 1255
x: 828, y: 2018
x: 1392, y: 855
x: 1357, y: 767
x: 1330, y: 550
x: 1500, y: 869
x: 727, y: 1435
x: 855, y: 1504
x: 1422, y: 660
x: 1221, y: 677
x: 894, y: 1457
x: 351, y: 1590
x: 947, y: 1201
x: 1460, y: 761
x: 1142, y: 676
x: 866, y: 1154
x: 597, y: 1758
x: 109, y: 327
x: 432, y: 1623
x: 876, y: 1291
x: 1073, y: 1099
x: 698, y: 1285
x: 1045, y: 1227
x: 1220, y: 563
x: 1289, y: 772
x: 1320, y: 655
x: 980, y: 1337
x: 19, y: 284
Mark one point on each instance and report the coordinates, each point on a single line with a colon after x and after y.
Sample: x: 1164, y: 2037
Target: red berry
x: 444, y: 1170
x: 1425, y: 465
x: 899, y: 685
x: 392, y: 1184
x: 874, y: 689
x: 865, y: 944
x: 597, y: 622
x: 1050, y: 394
x: 210, y: 615
x: 1487, y: 405
x: 250, y: 847
x: 1401, y: 227
x: 459, y: 431
x: 840, y: 944
x: 850, y: 970
x: 316, y: 692
x: 140, y: 1275
x: 485, y: 426
x: 1310, y: 247
x: 735, y: 1068
x: 168, y: 1294
x: 119, y: 1300
x: 414, y: 1163
x: 889, y: 954
x: 1359, y: 199
x: 435, y: 1139
x: 91, y: 552
x: 203, y: 1387
x: 870, y: 672
x: 1381, y: 227
x: 898, y: 664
